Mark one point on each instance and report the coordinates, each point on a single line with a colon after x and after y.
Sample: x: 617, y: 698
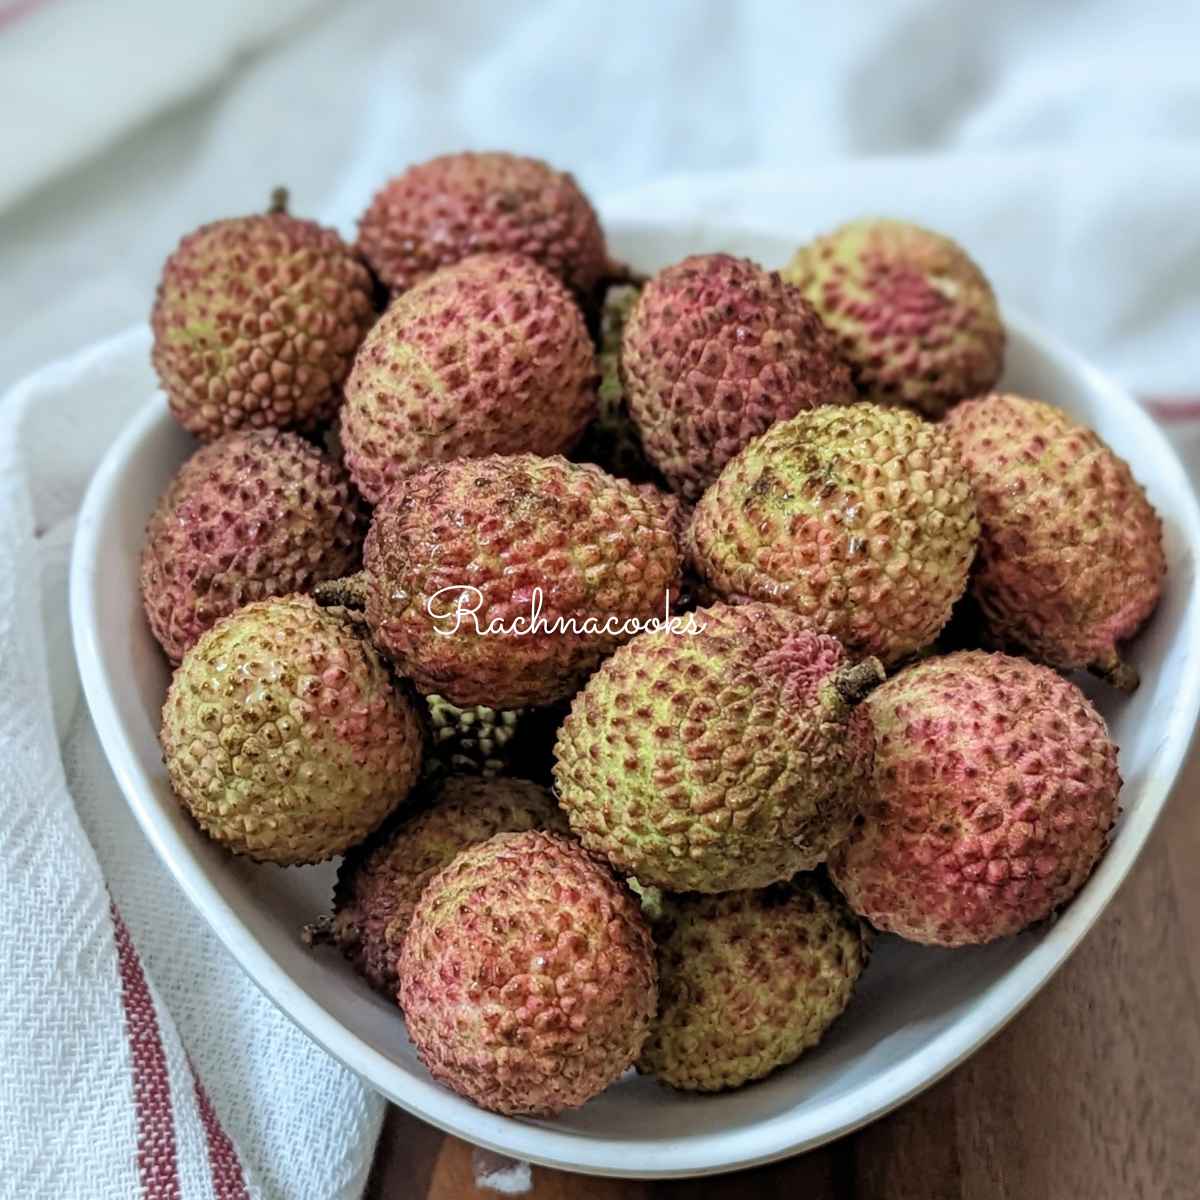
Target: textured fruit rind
x: 380, y: 882
x: 716, y: 351
x: 859, y: 519
x: 283, y: 734
x: 1071, y: 557
x: 915, y: 317
x: 475, y: 740
x: 255, y: 514
x: 456, y: 205
x: 528, y: 978
x: 996, y: 790
x: 611, y: 440
x: 256, y: 323
x: 597, y: 548
x: 715, y: 761
x: 748, y: 981
x: 490, y: 356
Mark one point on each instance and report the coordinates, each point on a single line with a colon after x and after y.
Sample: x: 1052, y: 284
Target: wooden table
x: 1092, y: 1093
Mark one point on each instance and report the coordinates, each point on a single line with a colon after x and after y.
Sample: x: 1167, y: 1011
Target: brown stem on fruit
x: 619, y: 274
x: 857, y: 682
x: 350, y: 592
x: 1115, y: 672
x: 319, y: 932
x: 279, y: 201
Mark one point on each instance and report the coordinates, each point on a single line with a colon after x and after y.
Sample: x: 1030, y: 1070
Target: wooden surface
x: 1092, y: 1093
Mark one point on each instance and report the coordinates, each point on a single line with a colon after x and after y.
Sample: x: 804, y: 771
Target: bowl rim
x: 769, y: 1140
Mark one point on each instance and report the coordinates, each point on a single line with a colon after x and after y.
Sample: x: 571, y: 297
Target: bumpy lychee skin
x: 475, y: 740
x: 380, y: 882
x: 527, y: 977
x: 715, y: 352
x: 859, y: 519
x: 600, y: 552
x: 913, y: 314
x: 456, y: 205
x: 284, y: 736
x: 1071, y: 557
x: 729, y: 758
x: 255, y: 514
x: 611, y: 441
x: 995, y: 794
x: 748, y: 981
x: 256, y: 323
x: 490, y: 356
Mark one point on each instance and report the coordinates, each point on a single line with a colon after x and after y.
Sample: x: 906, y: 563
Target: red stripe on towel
x: 158, y: 1165
x: 227, y: 1178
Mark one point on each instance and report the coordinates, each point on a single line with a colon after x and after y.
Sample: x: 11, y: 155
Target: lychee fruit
x: 257, y: 513
x: 715, y: 352
x: 284, y: 736
x: 748, y: 981
x: 477, y: 739
x: 380, y: 882
x: 473, y: 740
x: 995, y: 795
x: 1071, y: 557
x: 611, y: 441
x: 860, y: 519
x: 256, y: 323
x: 505, y: 581
x: 727, y: 758
x: 527, y: 978
x: 489, y: 356
x: 915, y: 317
x: 456, y: 205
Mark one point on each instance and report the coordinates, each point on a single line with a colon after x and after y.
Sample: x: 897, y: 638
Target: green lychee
x: 489, y: 356
x: 860, y: 519
x: 1071, y: 559
x: 995, y: 795
x: 915, y: 317
x: 255, y: 514
x: 472, y: 740
x: 527, y: 978
x: 715, y: 352
x: 256, y: 323
x: 749, y: 980
x: 727, y: 758
x: 477, y: 739
x: 284, y: 736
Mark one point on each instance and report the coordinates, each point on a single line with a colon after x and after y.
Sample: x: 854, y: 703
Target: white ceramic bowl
x: 918, y: 1011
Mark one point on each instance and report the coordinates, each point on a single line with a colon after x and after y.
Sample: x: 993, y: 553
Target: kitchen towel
x: 138, y: 1060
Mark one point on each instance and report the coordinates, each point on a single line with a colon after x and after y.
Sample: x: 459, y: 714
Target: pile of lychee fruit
x: 604, y: 624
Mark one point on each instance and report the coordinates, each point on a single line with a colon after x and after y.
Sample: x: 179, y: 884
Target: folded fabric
x: 139, y: 1060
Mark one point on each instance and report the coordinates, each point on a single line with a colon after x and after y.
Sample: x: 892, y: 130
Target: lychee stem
x: 857, y: 682
x: 350, y: 592
x: 318, y: 932
x: 279, y: 201
x: 619, y: 274
x: 1116, y: 672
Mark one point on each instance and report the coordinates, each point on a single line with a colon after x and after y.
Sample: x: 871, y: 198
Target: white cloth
x: 621, y: 93
x: 137, y: 1059
x: 1060, y: 144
